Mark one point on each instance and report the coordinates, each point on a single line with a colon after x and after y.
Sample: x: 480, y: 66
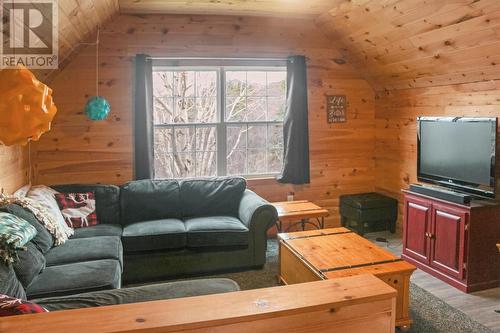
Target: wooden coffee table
x: 300, y: 212
x: 330, y: 253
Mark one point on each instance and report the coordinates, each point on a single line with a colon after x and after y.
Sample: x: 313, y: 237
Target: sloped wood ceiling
x: 78, y: 21
x: 418, y: 43
x: 397, y: 44
x: 276, y: 8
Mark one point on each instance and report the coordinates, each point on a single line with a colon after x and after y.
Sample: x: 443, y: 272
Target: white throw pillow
x: 23, y: 191
x: 44, y: 195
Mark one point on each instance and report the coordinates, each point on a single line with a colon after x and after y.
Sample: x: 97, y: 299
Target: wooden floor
x: 480, y: 306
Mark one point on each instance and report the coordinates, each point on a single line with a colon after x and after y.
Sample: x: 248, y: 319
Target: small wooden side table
x: 300, y: 212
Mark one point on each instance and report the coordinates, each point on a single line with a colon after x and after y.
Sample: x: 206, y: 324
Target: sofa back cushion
x: 107, y: 199
x: 43, y: 239
x: 211, y: 196
x: 146, y: 200
x: 29, y: 264
x: 9, y: 284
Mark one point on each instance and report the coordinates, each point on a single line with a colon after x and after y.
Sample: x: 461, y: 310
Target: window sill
x: 262, y: 180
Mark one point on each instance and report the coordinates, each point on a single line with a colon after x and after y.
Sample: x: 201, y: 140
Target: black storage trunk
x: 368, y: 212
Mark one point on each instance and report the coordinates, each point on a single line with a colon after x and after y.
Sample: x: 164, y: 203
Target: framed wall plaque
x: 336, y: 107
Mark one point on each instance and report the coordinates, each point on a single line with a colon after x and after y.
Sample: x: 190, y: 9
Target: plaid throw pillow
x: 10, y: 306
x: 78, y: 209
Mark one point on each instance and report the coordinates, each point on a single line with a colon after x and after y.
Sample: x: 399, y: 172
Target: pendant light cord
x: 72, y: 50
x: 30, y: 170
x: 97, y: 62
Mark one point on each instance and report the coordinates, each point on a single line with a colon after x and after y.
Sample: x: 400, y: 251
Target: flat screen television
x: 458, y: 153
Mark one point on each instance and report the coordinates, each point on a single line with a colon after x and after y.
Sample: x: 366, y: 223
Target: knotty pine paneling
x: 78, y: 20
x: 13, y: 167
x: 396, y: 128
x: 274, y: 8
x: 403, y: 44
x: 82, y: 151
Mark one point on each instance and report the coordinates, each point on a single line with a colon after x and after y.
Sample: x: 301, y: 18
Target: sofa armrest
x: 256, y: 213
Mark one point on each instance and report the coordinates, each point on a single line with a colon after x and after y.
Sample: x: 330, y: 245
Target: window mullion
x: 246, y: 150
x: 195, y: 129
x: 221, y: 126
x: 267, y: 147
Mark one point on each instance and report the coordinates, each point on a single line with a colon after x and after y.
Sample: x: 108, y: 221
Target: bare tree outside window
x: 194, y: 122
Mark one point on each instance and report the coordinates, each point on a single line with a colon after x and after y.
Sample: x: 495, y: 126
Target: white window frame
x: 221, y: 125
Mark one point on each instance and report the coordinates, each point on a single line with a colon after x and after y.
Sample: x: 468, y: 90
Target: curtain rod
x: 214, y: 58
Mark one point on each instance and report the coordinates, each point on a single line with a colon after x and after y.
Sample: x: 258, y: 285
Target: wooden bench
x: 355, y: 304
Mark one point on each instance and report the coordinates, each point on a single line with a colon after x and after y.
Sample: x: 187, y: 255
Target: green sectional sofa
x: 174, y: 228
x: 148, y: 230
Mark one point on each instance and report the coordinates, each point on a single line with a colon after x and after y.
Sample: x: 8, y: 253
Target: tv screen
x: 458, y: 153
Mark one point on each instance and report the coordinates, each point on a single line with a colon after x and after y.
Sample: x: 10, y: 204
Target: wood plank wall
x: 396, y: 139
x: 77, y: 21
x: 403, y: 44
x: 78, y: 150
x: 13, y: 168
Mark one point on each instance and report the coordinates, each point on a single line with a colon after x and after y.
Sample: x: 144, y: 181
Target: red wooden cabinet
x: 456, y: 243
x: 417, y: 230
x: 447, y: 243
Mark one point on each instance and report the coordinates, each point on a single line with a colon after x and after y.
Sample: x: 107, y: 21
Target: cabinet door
x: 447, y: 240
x: 416, y: 229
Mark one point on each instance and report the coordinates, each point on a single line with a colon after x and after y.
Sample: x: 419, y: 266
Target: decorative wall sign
x: 336, y: 106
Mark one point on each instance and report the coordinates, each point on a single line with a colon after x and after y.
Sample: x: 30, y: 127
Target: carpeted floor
x: 429, y: 313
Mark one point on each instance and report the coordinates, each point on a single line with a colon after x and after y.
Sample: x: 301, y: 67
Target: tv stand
x: 453, y: 242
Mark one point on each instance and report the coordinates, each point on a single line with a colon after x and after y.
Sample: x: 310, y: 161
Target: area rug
x: 429, y: 313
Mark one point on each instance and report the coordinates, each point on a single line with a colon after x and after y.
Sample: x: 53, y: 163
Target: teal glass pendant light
x: 97, y: 107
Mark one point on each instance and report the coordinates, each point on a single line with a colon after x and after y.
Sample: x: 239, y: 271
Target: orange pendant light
x: 26, y: 107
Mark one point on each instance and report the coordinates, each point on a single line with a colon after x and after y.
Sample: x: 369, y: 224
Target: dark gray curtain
x: 143, y: 118
x: 296, y: 129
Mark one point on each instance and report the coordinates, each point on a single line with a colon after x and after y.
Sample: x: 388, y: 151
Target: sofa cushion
x: 154, y: 235
x: 9, y: 284
x: 146, y: 293
x: 216, y: 231
x: 76, y: 278
x: 98, y: 230
x: 43, y: 239
x: 211, y: 196
x: 147, y: 200
x: 86, y: 249
x: 107, y: 199
x: 29, y: 264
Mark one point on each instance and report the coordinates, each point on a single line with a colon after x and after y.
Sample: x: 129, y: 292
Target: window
x: 211, y: 121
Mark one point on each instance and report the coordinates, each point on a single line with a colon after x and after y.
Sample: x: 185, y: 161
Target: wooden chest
x: 331, y: 253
